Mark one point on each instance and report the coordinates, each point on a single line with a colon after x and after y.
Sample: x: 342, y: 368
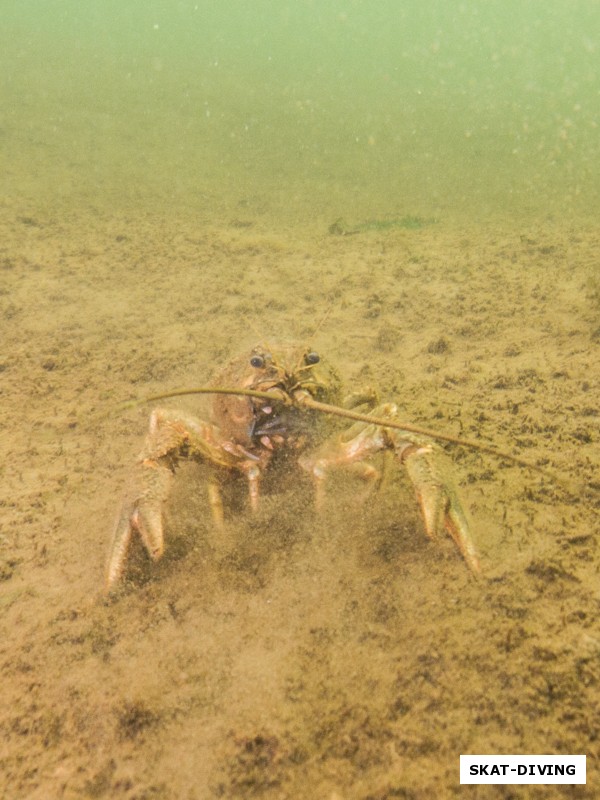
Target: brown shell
x: 235, y: 415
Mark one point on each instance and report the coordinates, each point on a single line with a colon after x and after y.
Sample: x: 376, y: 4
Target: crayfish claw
x: 440, y: 505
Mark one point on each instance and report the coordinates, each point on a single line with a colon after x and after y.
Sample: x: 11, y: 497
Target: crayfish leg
x: 215, y: 501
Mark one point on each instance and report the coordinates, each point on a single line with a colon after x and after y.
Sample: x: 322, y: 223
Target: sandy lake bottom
x: 341, y: 655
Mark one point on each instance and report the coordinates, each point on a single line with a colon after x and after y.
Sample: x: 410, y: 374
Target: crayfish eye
x: 257, y: 361
x: 312, y: 358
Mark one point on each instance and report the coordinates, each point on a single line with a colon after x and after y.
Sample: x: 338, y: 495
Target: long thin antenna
x: 305, y: 401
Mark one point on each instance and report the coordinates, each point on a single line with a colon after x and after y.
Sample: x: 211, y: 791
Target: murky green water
x: 304, y: 111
